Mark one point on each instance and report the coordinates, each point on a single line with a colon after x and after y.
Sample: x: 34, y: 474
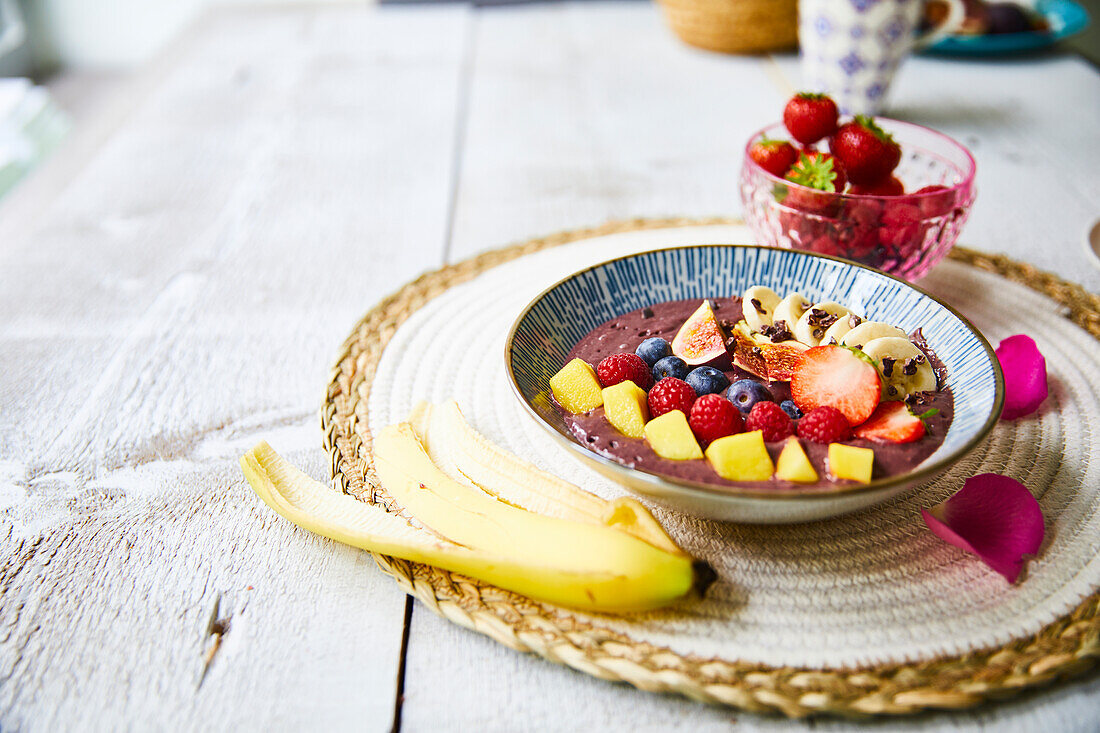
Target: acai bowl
x: 547, y: 332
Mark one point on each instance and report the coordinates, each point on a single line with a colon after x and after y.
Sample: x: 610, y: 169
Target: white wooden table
x: 175, y: 282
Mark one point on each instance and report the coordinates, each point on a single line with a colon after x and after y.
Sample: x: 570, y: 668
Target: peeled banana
x: 758, y: 305
x: 903, y: 366
x: 811, y: 327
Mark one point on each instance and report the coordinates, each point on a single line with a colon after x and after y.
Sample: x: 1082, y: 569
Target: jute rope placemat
x: 1067, y: 646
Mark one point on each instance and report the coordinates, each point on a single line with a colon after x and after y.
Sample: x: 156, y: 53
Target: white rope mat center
x: 872, y: 587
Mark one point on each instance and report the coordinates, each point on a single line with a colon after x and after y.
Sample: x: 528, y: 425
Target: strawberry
x: 888, y: 186
x: 937, y: 205
x: 770, y: 419
x: 621, y: 367
x: 824, y: 425
x: 670, y: 394
x: 867, y: 152
x: 810, y: 117
x: 818, y: 170
x: 892, y: 422
x: 900, y: 230
x: 713, y: 417
x: 839, y: 377
x: 774, y: 156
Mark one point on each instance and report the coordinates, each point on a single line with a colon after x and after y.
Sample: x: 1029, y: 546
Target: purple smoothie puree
x: 623, y: 334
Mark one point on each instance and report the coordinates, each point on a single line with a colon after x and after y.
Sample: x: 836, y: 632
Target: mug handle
x: 956, y: 14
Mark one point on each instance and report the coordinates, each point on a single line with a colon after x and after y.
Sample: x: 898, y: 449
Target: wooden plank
x: 181, y: 297
x: 611, y: 118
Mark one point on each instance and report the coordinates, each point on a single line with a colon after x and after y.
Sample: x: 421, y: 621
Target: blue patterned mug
x: 851, y: 48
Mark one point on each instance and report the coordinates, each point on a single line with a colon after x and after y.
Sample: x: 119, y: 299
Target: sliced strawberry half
x: 891, y: 422
x: 838, y: 377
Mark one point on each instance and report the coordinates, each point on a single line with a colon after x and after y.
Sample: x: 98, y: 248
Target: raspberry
x: 824, y: 425
x: 670, y: 394
x: 769, y: 418
x: 621, y: 367
x: 713, y: 417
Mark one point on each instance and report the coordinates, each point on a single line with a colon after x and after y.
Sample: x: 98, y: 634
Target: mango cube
x: 850, y: 462
x: 576, y: 388
x: 670, y: 437
x: 625, y: 407
x: 793, y: 465
x: 742, y: 457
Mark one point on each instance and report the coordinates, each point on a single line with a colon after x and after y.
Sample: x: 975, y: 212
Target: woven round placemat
x: 1068, y: 646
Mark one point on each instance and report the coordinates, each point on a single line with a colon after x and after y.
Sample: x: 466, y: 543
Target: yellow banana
x: 633, y: 576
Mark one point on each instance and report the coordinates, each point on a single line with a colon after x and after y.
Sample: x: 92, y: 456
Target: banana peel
x: 574, y: 564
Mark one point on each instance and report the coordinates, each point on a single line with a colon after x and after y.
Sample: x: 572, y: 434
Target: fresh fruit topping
x: 993, y: 516
x: 707, y: 380
x: 789, y: 310
x: 935, y: 201
x: 789, y: 407
x: 793, y: 465
x: 819, y: 171
x: 713, y: 417
x: 576, y: 388
x: 810, y: 117
x: 742, y: 457
x: 850, y: 462
x: 624, y: 406
x: 757, y: 306
x: 834, y: 334
x: 669, y: 366
x: 774, y: 156
x: 755, y: 353
x: 888, y: 186
x: 770, y: 419
x: 811, y: 327
x: 670, y: 437
x: 867, y: 152
x: 1025, y: 372
x: 891, y: 422
x: 700, y: 340
x: 904, y: 367
x: 622, y: 367
x: 671, y: 394
x: 837, y: 377
x: 745, y: 393
x: 868, y: 331
x: 824, y: 425
x: 652, y: 350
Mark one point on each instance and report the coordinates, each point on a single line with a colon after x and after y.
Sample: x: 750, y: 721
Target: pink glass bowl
x: 902, y: 235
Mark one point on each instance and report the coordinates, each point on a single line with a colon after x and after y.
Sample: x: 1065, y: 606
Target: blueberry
x: 747, y: 392
x: 791, y: 409
x: 653, y: 350
x: 670, y: 366
x: 707, y: 380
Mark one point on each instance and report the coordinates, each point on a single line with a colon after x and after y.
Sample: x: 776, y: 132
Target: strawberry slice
x: 891, y: 422
x: 839, y: 377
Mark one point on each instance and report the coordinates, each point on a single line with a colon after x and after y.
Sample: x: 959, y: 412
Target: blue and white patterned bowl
x: 558, y: 318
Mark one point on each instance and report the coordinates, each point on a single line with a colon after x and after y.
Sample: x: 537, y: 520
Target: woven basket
x: 734, y: 26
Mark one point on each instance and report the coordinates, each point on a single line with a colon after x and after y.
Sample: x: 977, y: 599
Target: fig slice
x: 756, y: 354
x: 700, y: 341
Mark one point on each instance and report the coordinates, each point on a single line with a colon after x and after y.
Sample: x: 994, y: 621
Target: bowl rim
x: 966, y: 184
x: 730, y: 492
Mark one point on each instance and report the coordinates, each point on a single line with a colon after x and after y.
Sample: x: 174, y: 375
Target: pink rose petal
x: 994, y: 517
x: 1025, y: 372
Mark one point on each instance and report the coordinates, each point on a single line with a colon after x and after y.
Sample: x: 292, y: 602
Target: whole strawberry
x: 670, y: 394
x: 867, y: 152
x: 810, y: 117
x: 818, y: 170
x: 713, y: 417
x: 770, y: 419
x: 888, y: 186
x: 621, y: 367
x: 774, y: 156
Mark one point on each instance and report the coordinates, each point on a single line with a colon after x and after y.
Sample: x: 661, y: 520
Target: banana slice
x: 903, y: 366
x: 810, y: 328
x: 758, y: 304
x: 790, y: 309
x: 836, y: 332
x: 868, y: 331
